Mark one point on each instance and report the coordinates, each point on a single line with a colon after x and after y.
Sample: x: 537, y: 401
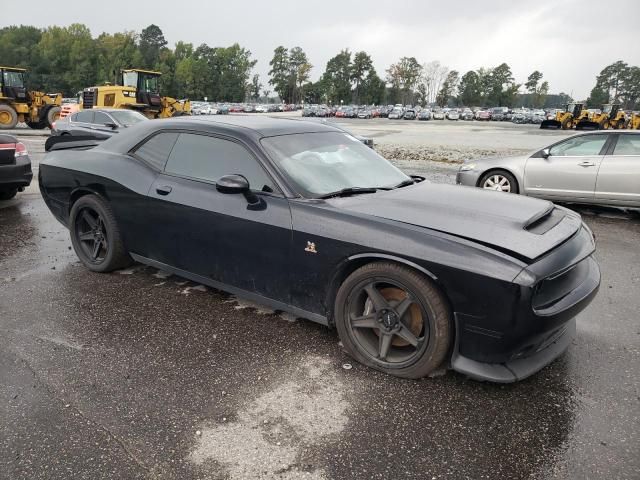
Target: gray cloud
x: 569, y: 41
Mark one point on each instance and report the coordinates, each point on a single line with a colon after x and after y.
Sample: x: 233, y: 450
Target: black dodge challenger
x: 305, y: 218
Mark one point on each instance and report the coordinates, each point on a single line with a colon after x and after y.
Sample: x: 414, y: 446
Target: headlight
x: 467, y: 166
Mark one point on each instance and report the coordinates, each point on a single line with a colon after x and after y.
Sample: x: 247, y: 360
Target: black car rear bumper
x: 18, y: 175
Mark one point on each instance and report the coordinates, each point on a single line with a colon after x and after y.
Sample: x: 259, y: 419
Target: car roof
x: 252, y: 127
x: 264, y: 126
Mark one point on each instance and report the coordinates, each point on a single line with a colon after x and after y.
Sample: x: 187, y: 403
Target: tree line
x: 67, y: 59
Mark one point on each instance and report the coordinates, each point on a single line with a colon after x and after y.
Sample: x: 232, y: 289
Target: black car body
x: 15, y: 167
x: 97, y: 122
x: 511, y: 272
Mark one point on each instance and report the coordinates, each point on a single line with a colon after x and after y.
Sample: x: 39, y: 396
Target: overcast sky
x: 569, y: 41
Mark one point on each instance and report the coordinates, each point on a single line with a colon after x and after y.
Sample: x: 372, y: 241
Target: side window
x: 584, y: 145
x: 627, y: 145
x: 85, y: 116
x: 209, y: 158
x: 156, y: 150
x: 101, y: 118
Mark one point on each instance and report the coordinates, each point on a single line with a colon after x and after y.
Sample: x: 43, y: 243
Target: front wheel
x: 393, y: 319
x: 8, y: 117
x: 500, y: 181
x: 53, y: 114
x: 95, y: 235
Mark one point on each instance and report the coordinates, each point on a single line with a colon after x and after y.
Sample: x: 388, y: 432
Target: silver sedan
x: 600, y: 168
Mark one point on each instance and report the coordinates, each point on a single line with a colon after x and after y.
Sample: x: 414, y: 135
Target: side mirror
x: 546, y: 153
x: 111, y: 125
x: 232, y: 184
x: 239, y: 184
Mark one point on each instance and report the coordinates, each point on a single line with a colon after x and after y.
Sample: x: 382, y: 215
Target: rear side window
x: 156, y: 150
x: 85, y: 116
x: 627, y: 145
x: 209, y: 158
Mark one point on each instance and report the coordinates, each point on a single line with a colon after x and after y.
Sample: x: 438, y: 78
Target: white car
x: 453, y: 115
x: 262, y: 108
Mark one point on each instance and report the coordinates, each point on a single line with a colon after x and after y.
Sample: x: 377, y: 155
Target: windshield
x: 12, y: 79
x: 130, y: 79
x: 149, y: 83
x: 126, y: 117
x: 321, y: 163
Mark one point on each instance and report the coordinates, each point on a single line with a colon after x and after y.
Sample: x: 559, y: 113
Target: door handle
x: 587, y: 164
x: 165, y: 190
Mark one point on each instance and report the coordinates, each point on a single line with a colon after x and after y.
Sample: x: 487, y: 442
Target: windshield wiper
x: 349, y: 191
x: 405, y: 183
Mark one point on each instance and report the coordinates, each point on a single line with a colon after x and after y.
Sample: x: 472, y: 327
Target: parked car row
x: 413, y: 112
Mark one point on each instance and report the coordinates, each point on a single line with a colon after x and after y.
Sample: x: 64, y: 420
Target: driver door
x: 569, y: 172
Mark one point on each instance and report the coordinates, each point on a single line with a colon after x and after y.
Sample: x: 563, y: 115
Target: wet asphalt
x: 141, y: 375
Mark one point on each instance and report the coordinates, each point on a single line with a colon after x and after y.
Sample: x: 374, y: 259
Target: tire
x: 8, y: 194
x: 53, y: 114
x: 510, y: 184
x: 426, y: 320
x: 36, y: 125
x: 8, y: 117
x: 111, y: 253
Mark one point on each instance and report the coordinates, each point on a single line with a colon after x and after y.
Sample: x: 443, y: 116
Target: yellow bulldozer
x: 610, y: 116
x: 138, y: 90
x: 567, y: 118
x: 634, y: 121
x: 17, y: 104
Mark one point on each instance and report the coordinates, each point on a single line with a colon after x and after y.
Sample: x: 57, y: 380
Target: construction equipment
x: 634, y: 121
x: 17, y: 104
x: 566, y: 118
x: 610, y: 116
x: 138, y: 91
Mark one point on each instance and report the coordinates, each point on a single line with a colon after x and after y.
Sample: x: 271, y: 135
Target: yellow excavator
x: 139, y: 91
x: 17, y: 104
x: 610, y: 116
x: 566, y: 118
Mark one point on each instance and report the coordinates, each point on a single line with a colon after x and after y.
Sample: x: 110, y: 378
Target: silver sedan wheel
x: 497, y: 182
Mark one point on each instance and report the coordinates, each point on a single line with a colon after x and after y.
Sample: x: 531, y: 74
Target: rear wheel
x: 8, y: 117
x: 95, y: 235
x: 37, y: 125
x: 8, y: 194
x: 53, y: 114
x: 393, y: 319
x: 500, y: 181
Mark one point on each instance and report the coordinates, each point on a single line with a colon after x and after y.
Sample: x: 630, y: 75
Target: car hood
x: 520, y: 226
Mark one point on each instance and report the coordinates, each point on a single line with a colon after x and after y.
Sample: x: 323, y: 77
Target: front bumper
x: 18, y: 175
x: 529, y: 331
x: 550, y: 347
x: 467, y: 177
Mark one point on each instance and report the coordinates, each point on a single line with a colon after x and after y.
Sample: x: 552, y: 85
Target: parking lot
x: 138, y: 374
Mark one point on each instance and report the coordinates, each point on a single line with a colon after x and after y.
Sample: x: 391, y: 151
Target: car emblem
x: 311, y: 247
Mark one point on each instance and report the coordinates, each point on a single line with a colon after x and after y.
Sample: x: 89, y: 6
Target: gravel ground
x: 440, y: 153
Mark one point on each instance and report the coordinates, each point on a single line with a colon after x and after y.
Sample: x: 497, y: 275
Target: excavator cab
x: 146, y: 83
x: 13, y: 85
x: 575, y: 109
